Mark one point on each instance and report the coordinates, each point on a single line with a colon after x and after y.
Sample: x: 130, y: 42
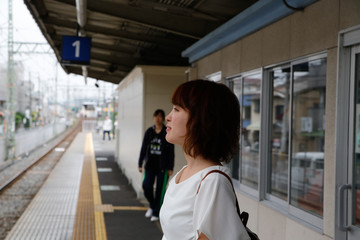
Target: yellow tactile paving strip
x: 110, y: 208
x: 89, y: 221
x: 129, y: 208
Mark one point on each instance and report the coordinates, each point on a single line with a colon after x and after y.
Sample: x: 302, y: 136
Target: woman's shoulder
x: 216, y: 175
x: 215, y: 171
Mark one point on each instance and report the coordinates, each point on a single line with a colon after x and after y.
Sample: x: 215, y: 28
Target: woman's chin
x: 168, y: 139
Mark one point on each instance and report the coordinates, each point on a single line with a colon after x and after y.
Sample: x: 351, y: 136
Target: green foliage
x: 35, y: 116
x: 19, y: 119
x: 113, y: 115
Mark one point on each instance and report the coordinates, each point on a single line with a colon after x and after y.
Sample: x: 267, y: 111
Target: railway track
x: 17, y: 191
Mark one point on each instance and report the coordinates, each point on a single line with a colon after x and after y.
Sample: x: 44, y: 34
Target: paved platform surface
x: 51, y: 214
x: 127, y: 221
x: 111, y: 208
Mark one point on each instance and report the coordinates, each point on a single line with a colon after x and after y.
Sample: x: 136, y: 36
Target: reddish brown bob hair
x: 213, y: 128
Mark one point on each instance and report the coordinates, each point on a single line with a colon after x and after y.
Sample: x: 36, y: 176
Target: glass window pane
x: 245, y: 166
x: 308, y: 132
x: 235, y: 163
x: 279, y: 135
x: 356, y: 164
x: 250, y: 118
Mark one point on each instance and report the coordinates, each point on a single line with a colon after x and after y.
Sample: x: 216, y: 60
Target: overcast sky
x: 41, y: 66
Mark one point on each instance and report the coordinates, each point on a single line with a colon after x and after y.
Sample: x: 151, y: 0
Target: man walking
x: 159, y: 164
x: 107, y: 127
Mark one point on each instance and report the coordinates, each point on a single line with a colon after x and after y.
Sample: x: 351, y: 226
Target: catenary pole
x: 10, y: 108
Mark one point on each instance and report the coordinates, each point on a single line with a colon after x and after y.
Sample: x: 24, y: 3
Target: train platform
x: 86, y: 197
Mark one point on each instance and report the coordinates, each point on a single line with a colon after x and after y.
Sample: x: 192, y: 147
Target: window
x: 215, y: 77
x: 297, y: 131
x: 245, y: 166
x: 279, y: 134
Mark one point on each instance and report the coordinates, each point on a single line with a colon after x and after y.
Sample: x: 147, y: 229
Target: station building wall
x: 302, y: 35
x: 141, y: 92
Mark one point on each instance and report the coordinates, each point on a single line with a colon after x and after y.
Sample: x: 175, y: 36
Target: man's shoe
x: 154, y: 219
x: 149, y: 213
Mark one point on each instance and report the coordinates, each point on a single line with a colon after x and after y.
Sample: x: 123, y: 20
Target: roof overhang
x: 257, y: 16
x: 126, y: 33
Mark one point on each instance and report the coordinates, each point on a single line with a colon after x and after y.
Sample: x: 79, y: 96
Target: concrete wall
x: 130, y: 124
x: 28, y: 140
x: 313, y: 30
x: 144, y: 90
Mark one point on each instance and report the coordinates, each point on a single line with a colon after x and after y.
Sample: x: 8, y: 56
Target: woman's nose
x: 168, y: 117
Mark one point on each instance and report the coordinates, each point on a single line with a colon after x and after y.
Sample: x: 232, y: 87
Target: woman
x: 205, y: 121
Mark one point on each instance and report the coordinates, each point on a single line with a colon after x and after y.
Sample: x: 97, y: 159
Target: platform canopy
x: 126, y: 33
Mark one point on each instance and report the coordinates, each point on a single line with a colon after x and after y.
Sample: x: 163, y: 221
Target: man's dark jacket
x: 167, y: 149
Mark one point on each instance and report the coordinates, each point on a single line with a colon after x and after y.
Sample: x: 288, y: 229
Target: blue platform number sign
x: 76, y: 50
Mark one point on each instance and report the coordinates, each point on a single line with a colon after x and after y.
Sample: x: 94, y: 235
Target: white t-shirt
x: 107, y: 125
x: 185, y: 214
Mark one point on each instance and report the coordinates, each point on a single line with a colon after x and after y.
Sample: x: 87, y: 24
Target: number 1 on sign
x: 76, y: 44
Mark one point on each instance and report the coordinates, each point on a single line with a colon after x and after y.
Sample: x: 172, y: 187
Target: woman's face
x: 176, y: 125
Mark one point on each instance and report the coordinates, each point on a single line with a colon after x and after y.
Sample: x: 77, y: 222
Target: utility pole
x: 10, y: 108
x: 30, y: 107
x: 56, y: 100
x: 41, y: 103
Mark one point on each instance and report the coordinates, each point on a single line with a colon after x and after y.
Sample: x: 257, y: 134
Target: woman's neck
x: 198, y: 162
x: 195, y: 165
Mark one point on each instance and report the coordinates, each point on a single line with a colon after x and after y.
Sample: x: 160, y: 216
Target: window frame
x: 280, y: 205
x: 261, y: 194
x: 244, y: 189
x: 214, y: 77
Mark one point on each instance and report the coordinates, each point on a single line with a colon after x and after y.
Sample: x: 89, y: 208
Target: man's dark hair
x: 159, y: 112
